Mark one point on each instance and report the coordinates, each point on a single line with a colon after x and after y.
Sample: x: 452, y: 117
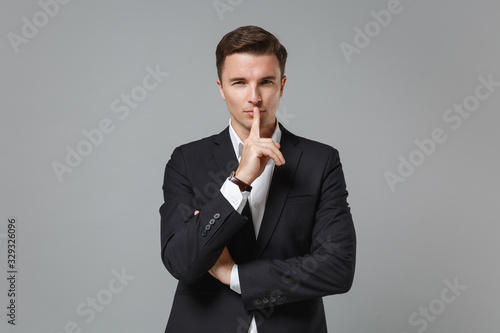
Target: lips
x: 250, y: 112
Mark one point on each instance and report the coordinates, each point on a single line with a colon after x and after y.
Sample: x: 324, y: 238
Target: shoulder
x: 204, y: 144
x: 308, y: 146
x: 201, y: 148
x: 199, y: 144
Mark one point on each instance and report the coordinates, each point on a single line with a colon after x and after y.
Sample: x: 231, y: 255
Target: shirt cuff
x: 234, y: 283
x: 232, y: 193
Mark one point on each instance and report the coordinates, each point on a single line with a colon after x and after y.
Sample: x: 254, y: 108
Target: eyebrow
x: 272, y: 77
x: 237, y: 79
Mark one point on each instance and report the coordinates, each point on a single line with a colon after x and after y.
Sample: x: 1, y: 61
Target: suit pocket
x: 300, y: 199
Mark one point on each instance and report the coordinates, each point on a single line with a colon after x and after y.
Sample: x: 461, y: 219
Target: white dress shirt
x: 257, y: 199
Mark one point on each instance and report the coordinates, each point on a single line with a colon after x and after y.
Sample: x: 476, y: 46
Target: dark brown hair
x: 249, y: 39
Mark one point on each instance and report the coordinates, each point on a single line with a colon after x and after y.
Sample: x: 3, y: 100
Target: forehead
x: 250, y: 66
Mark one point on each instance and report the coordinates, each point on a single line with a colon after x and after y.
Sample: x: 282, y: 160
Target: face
x: 247, y: 81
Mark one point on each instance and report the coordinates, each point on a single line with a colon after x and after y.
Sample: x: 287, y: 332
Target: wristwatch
x: 242, y: 185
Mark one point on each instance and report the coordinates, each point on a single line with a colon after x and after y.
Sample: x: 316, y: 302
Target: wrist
x: 244, y: 176
x: 242, y: 182
x: 227, y: 277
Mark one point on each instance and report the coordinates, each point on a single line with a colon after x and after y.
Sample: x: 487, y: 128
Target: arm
x: 327, y: 269
x: 256, y: 153
x: 187, y: 251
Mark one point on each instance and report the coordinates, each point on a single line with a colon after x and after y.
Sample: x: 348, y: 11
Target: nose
x: 254, y: 97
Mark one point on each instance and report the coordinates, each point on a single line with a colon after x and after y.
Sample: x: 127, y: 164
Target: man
x: 255, y: 224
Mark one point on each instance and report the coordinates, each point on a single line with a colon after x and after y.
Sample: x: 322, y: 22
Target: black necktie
x: 242, y: 244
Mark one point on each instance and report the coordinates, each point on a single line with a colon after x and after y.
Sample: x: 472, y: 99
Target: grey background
x: 440, y: 224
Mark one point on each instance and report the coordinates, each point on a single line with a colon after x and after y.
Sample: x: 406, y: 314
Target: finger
x: 255, y: 130
x: 272, y: 152
x: 278, y: 159
x: 196, y: 212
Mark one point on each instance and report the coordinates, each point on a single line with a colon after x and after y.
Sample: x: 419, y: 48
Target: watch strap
x: 241, y: 184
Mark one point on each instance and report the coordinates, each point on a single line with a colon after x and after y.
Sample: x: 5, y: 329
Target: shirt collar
x: 238, y: 144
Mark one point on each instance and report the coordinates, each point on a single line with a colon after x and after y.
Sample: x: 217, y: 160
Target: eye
x: 235, y: 83
x: 267, y: 82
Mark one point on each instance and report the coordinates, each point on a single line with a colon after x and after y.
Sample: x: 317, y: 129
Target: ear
x: 283, y: 80
x: 221, y: 90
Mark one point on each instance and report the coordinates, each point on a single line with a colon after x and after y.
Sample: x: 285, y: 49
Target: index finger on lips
x: 255, y: 130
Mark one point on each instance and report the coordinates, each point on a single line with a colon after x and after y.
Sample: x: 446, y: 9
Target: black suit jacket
x: 305, y: 248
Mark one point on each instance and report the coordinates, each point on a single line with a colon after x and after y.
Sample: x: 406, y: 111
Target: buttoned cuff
x: 232, y: 193
x: 234, y: 282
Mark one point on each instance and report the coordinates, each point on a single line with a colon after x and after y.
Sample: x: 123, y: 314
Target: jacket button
x: 265, y: 300
x: 203, y: 233
x: 272, y: 299
x: 212, y: 221
x: 216, y: 216
x: 257, y: 302
x: 207, y: 227
x: 280, y: 298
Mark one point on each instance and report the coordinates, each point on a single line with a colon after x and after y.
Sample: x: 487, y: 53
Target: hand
x: 257, y: 152
x: 222, y: 268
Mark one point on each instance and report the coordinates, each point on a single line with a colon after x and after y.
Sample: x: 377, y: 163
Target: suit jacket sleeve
x: 327, y: 269
x: 189, y: 250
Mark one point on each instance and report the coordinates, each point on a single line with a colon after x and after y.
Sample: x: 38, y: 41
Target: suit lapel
x: 280, y: 184
x: 224, y: 153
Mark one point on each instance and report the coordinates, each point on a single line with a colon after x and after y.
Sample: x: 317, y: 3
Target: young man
x: 255, y: 224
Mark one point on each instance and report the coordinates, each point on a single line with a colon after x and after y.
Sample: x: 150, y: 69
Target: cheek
x: 274, y: 96
x: 233, y: 98
x: 274, y: 100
